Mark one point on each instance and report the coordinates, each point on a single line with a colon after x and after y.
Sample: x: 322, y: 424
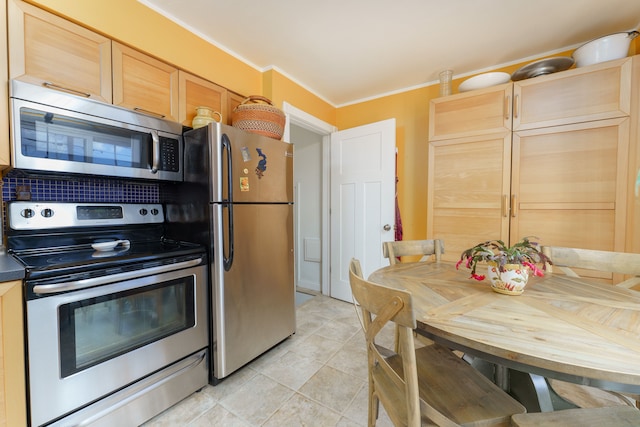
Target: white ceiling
x: 350, y: 50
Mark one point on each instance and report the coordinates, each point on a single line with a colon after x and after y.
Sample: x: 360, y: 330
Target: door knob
x: 386, y: 227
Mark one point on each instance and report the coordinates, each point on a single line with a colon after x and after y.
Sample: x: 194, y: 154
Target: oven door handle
x: 118, y: 277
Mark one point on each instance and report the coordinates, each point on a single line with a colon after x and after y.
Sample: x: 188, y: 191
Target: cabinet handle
x: 505, y: 206
x: 514, y: 206
x: 66, y: 89
x: 516, y: 107
x: 142, y: 110
x: 507, y: 107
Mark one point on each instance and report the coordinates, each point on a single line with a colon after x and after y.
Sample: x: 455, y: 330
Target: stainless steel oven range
x: 116, y: 315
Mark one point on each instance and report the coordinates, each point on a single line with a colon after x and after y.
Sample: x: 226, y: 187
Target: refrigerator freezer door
x: 253, y: 302
x: 262, y: 168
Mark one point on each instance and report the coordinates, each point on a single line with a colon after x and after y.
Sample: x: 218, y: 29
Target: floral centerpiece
x: 508, y: 266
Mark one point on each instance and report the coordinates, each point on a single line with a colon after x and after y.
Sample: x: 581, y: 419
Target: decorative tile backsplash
x: 77, y: 190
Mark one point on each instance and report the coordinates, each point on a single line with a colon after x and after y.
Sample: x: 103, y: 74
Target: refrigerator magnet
x: 244, y: 183
x: 246, y: 156
x: 262, y: 163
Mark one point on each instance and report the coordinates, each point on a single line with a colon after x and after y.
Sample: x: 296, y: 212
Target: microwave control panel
x: 169, y: 154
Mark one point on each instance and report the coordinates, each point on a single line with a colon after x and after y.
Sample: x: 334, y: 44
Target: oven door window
x: 95, y: 330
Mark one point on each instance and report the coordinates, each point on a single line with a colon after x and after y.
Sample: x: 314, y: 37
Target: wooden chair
x: 613, y: 416
x: 425, y: 248
x: 614, y: 262
x: 566, y: 259
x: 427, y: 384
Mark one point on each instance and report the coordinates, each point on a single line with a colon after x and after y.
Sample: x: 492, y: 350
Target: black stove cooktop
x: 55, y: 239
x: 77, y: 259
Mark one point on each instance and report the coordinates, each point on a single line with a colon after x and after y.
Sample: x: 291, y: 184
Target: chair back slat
x: 373, y: 298
x: 425, y: 248
x: 565, y: 259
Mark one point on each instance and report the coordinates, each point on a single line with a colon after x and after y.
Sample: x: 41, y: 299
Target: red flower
x: 536, y: 271
x: 478, y: 277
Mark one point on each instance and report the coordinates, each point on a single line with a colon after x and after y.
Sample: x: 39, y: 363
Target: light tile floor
x: 318, y: 377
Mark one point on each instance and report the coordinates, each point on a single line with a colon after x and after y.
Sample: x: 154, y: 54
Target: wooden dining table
x: 566, y: 328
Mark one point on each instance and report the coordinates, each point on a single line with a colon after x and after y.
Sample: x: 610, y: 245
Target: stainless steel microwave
x: 56, y: 132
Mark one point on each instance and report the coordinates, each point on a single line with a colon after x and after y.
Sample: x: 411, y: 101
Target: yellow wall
x: 132, y: 23
x: 279, y: 88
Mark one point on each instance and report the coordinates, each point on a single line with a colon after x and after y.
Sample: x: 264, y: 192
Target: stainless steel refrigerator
x: 237, y: 200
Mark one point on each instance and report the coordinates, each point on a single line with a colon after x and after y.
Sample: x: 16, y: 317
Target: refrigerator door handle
x: 227, y: 256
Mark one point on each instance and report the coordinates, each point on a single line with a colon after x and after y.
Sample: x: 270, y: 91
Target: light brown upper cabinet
x: 553, y: 157
x: 143, y: 83
x: 479, y: 112
x: 5, y: 152
x: 597, y: 92
x: 196, y: 92
x: 47, y: 50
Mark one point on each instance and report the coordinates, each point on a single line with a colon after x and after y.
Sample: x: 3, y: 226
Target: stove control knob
x: 47, y: 212
x: 154, y: 211
x: 28, y: 213
x: 143, y: 212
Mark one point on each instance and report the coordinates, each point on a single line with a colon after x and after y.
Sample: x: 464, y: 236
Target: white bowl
x: 484, y: 80
x: 105, y: 246
x: 109, y: 245
x: 607, y: 48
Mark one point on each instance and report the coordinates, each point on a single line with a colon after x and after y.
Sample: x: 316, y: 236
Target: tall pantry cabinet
x: 553, y: 157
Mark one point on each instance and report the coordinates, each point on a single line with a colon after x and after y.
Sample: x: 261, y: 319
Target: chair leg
x: 374, y: 406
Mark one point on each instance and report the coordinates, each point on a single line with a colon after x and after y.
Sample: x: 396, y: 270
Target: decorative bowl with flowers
x: 508, y: 267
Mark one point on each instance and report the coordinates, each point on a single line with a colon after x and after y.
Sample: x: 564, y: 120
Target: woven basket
x: 263, y: 119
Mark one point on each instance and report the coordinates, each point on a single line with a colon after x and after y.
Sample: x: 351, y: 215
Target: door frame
x: 305, y: 120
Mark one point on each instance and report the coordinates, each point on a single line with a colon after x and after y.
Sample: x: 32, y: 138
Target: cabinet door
x: 143, y: 83
x: 569, y: 184
x: 234, y: 100
x: 480, y: 112
x: 597, y: 92
x: 13, y: 405
x: 196, y: 92
x: 468, y: 188
x: 5, y: 159
x: 47, y: 50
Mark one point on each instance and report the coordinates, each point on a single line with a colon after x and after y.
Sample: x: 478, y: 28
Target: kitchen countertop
x: 10, y: 269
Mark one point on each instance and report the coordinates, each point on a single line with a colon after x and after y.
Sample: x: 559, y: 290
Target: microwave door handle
x: 155, y: 151
x: 228, y: 257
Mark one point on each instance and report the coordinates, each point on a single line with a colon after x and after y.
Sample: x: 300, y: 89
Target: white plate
x: 108, y: 245
x: 484, y: 80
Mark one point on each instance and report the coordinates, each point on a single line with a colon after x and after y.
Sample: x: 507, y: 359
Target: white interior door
x: 362, y: 200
